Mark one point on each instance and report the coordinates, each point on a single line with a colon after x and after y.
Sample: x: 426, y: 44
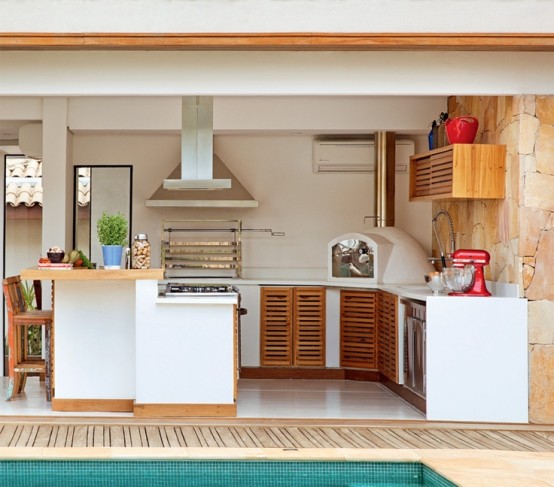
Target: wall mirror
x: 98, y: 189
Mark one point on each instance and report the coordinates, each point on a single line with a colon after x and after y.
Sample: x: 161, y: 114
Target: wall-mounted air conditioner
x: 355, y: 156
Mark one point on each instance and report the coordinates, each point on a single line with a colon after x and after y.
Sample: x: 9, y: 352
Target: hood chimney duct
x: 384, y: 178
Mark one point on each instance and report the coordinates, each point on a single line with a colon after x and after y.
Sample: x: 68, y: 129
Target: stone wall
x: 519, y: 230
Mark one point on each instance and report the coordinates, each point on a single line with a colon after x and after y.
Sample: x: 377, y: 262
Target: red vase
x: 461, y: 130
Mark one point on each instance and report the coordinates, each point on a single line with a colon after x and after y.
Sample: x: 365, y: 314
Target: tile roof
x: 24, y: 182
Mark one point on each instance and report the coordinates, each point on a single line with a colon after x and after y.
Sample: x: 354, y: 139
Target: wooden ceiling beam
x: 278, y: 41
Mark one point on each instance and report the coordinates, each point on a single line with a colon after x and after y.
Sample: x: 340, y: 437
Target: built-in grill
x: 173, y: 289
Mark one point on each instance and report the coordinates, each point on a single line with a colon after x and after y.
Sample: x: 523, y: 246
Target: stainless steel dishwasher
x: 415, y: 346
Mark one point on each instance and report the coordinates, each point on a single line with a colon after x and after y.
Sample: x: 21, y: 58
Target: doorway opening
x: 22, y: 233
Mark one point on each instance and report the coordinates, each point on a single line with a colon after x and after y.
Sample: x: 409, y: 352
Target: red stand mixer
x: 478, y: 259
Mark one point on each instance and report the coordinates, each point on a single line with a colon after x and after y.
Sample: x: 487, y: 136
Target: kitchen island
x: 113, y: 339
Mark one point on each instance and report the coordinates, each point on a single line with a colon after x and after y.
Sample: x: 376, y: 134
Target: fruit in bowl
x: 55, y: 254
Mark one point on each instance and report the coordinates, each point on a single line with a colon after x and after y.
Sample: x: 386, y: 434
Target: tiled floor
x: 315, y: 399
x: 320, y: 399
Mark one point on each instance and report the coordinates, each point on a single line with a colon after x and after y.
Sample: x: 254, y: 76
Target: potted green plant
x: 113, y: 230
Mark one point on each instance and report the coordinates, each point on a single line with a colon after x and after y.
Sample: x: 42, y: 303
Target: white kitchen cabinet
x: 477, y: 359
x: 186, y: 354
x: 94, y: 350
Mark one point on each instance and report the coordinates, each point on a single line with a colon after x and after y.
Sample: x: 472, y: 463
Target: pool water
x: 221, y: 473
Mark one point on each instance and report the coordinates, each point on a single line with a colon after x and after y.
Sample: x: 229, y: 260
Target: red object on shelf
x: 461, y: 130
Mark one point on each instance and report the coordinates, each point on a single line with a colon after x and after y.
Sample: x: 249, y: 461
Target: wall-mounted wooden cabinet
x: 463, y: 171
x: 292, y: 323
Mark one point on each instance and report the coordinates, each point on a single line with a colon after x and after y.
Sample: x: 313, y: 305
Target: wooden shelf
x: 459, y: 171
x: 82, y: 274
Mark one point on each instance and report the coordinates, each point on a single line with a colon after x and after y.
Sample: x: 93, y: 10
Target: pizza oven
x: 384, y: 255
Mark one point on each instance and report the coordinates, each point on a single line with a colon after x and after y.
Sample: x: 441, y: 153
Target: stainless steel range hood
x: 204, y: 180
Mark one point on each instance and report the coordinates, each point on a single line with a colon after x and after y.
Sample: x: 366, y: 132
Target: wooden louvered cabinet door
x: 459, y: 171
x: 358, y: 329
x: 292, y: 326
x: 388, y: 335
x: 276, y: 326
x: 309, y: 326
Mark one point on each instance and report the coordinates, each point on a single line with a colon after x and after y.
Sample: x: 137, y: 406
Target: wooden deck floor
x: 271, y: 434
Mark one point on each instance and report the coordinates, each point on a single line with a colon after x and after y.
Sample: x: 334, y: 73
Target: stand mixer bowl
x: 458, y: 279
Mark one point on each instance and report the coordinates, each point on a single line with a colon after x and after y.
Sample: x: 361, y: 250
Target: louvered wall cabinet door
x: 309, y: 326
x: 276, y: 326
x: 459, y: 171
x: 388, y: 335
x: 292, y: 326
x: 358, y: 329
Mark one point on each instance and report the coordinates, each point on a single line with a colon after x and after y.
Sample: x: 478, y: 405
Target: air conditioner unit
x: 355, y: 156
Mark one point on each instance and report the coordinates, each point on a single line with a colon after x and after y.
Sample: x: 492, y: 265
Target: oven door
x: 415, y: 355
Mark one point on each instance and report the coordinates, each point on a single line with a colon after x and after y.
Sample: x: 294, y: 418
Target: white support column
x: 57, y: 180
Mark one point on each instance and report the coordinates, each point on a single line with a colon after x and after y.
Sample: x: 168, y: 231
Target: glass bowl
x: 458, y: 279
x: 434, y: 282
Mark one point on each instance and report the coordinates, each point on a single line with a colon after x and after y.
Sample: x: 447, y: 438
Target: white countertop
x: 418, y: 291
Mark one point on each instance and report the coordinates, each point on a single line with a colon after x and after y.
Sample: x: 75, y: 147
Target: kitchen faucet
x: 451, y: 228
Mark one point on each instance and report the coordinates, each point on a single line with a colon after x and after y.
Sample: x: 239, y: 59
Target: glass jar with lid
x: 140, y: 252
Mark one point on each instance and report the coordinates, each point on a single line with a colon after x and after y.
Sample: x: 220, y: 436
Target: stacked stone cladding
x: 519, y: 230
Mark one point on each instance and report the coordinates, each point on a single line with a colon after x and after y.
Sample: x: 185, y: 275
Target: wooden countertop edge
x: 35, y: 273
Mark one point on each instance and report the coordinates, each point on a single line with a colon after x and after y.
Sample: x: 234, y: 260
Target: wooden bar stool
x: 19, y: 319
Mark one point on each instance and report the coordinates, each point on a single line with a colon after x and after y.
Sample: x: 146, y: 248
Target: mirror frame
x: 75, y: 197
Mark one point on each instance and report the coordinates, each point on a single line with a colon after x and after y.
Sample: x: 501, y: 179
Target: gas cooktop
x: 178, y: 289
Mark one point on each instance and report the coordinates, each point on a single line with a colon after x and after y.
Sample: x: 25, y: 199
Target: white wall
x: 23, y: 245
x: 277, y: 15
x: 310, y: 208
x: 257, y: 114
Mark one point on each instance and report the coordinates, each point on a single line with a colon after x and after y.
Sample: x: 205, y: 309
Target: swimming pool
x: 219, y: 473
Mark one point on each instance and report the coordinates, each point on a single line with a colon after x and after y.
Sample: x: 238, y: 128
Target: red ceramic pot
x: 461, y: 130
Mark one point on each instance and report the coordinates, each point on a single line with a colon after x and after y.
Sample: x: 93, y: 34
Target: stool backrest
x: 37, y: 286
x: 13, y: 292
